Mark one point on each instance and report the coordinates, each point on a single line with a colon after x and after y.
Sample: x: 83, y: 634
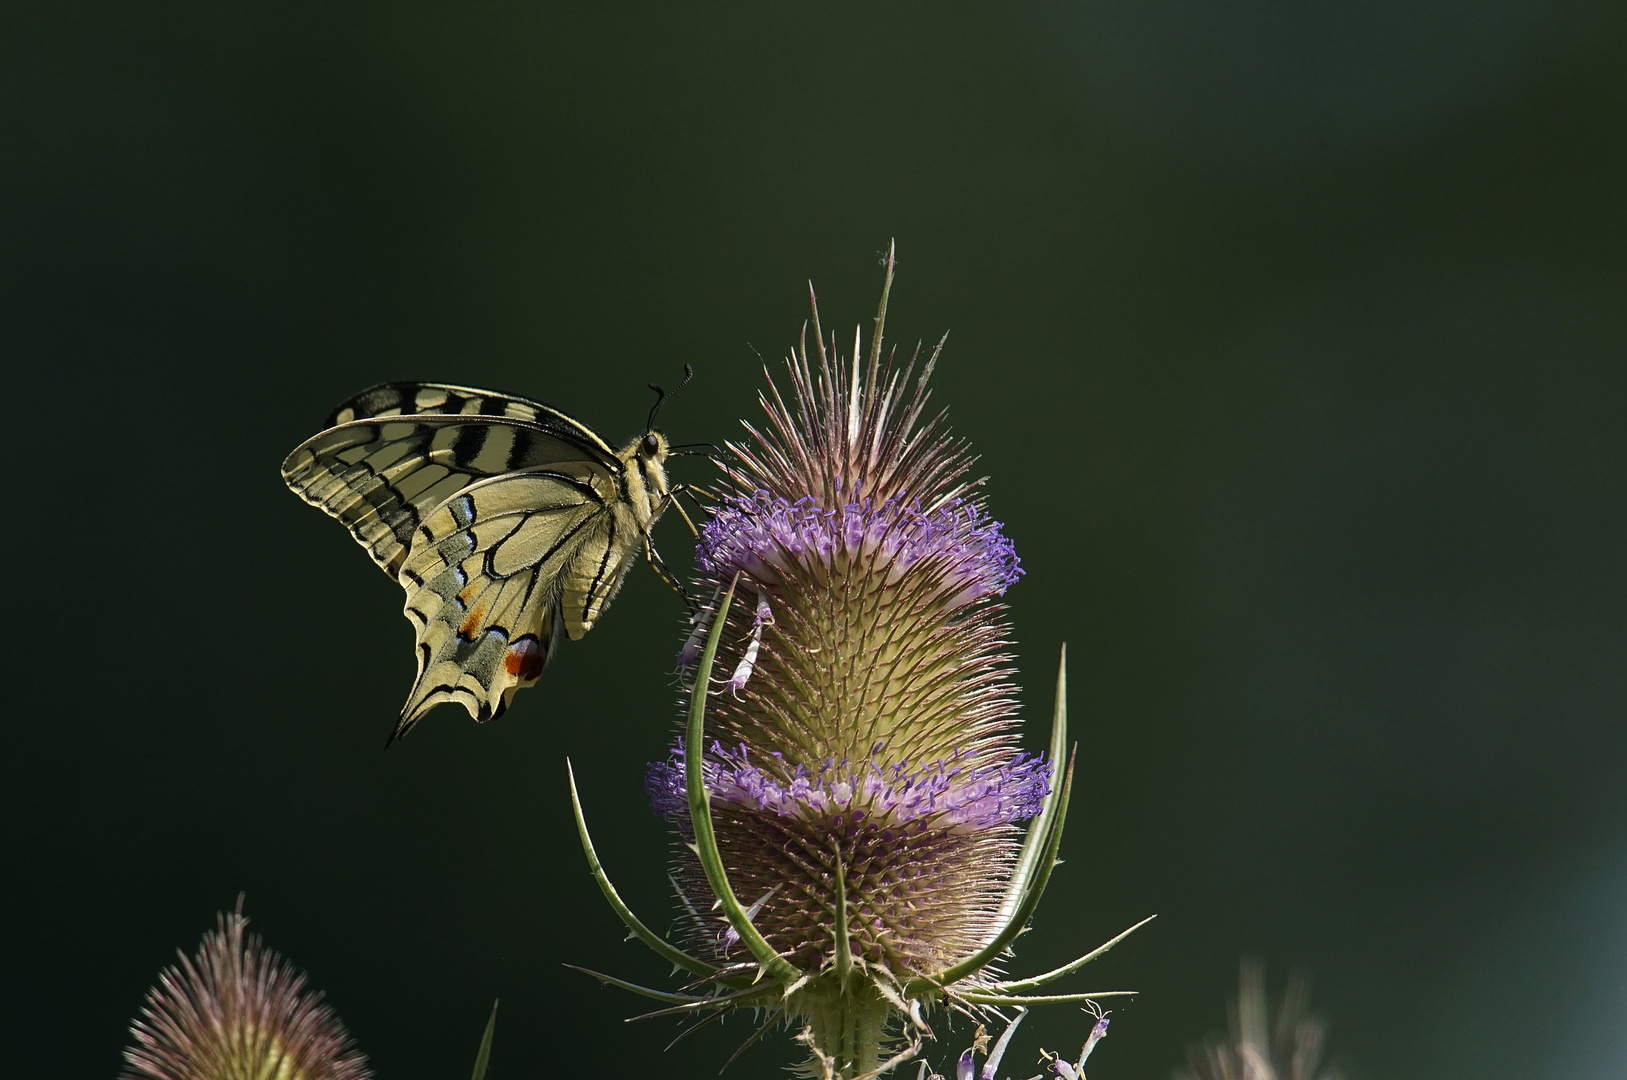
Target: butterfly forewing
x: 416, y: 398
x: 380, y: 476
x: 507, y: 523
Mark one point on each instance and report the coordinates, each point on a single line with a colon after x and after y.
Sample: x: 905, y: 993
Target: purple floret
x: 952, y: 794
x: 768, y: 537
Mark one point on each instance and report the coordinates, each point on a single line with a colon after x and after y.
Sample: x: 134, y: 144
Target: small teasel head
x: 235, y: 1010
x: 850, y: 787
x: 1286, y: 1042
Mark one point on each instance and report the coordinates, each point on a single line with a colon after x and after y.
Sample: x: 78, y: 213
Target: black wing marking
x: 421, y: 398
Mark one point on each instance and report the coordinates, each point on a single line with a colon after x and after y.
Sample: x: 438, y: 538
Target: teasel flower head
x: 849, y: 789
x: 237, y: 1011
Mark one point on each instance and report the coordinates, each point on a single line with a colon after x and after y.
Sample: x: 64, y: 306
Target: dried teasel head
x: 235, y: 1010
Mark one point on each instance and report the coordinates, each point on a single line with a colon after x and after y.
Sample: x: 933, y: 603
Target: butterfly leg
x: 660, y: 567
x: 656, y: 562
x: 672, y: 499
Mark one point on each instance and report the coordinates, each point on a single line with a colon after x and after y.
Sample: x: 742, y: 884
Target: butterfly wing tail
x: 481, y: 675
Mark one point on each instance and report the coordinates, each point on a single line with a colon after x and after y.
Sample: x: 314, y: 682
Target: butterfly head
x: 646, y: 459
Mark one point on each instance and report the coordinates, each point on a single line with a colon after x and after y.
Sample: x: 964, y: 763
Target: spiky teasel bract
x: 238, y: 1011
x: 851, y: 858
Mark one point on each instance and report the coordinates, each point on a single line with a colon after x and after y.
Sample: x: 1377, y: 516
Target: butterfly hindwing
x: 483, y: 585
x: 593, y: 579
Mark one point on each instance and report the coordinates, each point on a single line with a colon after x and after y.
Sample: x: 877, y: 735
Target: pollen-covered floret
x: 959, y: 550
x: 955, y: 794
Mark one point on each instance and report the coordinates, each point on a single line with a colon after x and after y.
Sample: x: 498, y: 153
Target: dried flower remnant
x: 238, y: 1011
x: 1076, y: 1070
x: 853, y: 769
x: 1289, y: 1047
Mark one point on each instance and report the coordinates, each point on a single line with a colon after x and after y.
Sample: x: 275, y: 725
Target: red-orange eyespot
x: 525, y: 659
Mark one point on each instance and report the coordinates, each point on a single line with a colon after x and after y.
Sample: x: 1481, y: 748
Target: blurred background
x: 1292, y: 337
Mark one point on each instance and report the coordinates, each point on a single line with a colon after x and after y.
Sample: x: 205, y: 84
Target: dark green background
x: 1291, y: 335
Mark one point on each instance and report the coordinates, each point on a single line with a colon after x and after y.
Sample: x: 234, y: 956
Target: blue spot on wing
x: 463, y: 511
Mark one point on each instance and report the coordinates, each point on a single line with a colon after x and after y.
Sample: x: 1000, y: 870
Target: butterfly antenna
x: 661, y: 395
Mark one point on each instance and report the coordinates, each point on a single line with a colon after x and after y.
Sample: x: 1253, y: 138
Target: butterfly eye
x: 651, y: 443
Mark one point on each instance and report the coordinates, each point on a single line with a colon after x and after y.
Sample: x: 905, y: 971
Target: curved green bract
x: 844, y: 946
x: 1023, y: 872
x: 1025, y: 909
x: 700, y: 810
x: 662, y: 948
x: 484, y: 1054
x: 644, y: 991
x: 1020, y: 986
x: 1053, y: 999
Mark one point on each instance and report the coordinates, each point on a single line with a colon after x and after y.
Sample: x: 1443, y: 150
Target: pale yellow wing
x: 485, y: 581
x: 381, y: 478
x: 425, y: 398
